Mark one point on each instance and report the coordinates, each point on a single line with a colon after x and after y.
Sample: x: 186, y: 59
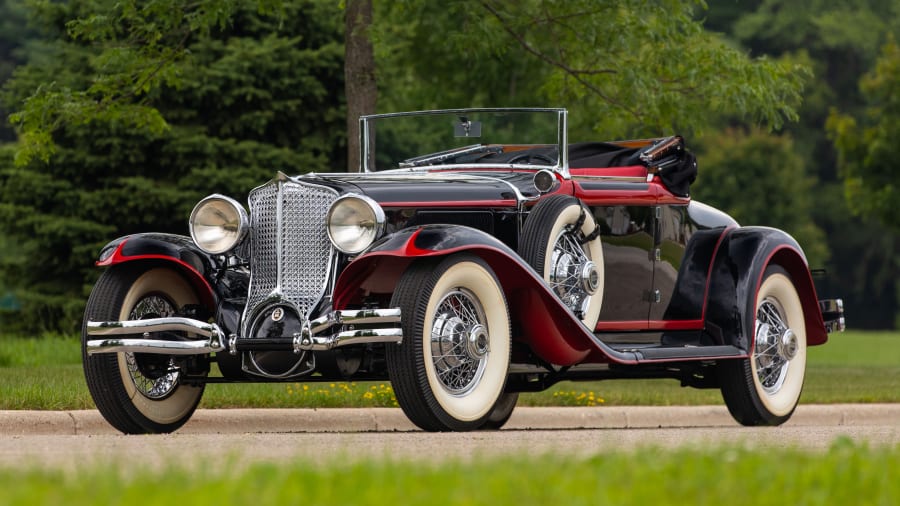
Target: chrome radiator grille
x: 290, y: 251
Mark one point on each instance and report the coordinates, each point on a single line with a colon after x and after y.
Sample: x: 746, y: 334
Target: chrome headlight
x: 354, y: 222
x: 218, y: 223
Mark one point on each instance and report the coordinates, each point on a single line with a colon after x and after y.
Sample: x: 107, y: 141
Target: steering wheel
x: 528, y: 157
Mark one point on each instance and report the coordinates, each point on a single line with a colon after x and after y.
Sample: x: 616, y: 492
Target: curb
x: 243, y: 421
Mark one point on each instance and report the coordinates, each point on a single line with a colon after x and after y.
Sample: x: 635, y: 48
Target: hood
x: 423, y: 188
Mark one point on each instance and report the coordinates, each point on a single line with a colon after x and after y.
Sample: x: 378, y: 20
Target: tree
x: 14, y: 36
x: 771, y: 181
x: 359, y: 73
x: 170, y: 99
x: 138, y: 45
x: 249, y: 98
x: 839, y: 39
x: 867, y: 147
x: 638, y: 67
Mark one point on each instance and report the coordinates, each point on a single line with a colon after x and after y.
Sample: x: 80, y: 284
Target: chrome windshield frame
x: 561, y: 167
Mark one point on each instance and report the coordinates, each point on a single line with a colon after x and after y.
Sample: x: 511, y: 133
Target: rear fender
x: 176, y: 251
x: 539, y: 318
x: 735, y: 278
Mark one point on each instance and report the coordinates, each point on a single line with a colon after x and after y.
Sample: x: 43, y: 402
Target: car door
x: 672, y: 230
x: 628, y: 238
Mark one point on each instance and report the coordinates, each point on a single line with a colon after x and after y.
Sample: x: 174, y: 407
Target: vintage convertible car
x: 477, y: 254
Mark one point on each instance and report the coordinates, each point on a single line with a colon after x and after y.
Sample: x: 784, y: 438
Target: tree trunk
x: 359, y: 74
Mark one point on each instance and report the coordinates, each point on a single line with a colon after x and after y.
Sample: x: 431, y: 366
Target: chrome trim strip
x: 363, y: 145
x: 279, y: 240
x: 617, y: 179
x: 460, y: 111
x: 563, y: 147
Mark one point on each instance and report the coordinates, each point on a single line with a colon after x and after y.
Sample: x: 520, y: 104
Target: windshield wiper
x: 443, y: 156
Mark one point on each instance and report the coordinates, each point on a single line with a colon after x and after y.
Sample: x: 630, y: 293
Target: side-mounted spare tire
x: 560, y: 240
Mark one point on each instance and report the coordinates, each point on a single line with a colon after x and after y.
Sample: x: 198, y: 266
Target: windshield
x: 463, y: 137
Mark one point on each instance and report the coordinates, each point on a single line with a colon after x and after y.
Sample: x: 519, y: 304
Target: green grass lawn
x: 844, y: 474
x: 852, y: 367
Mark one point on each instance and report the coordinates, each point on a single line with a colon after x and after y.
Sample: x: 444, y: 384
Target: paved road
x: 68, y: 440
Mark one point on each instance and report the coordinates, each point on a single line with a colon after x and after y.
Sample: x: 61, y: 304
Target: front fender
x: 735, y: 278
x: 540, y: 319
x: 175, y: 250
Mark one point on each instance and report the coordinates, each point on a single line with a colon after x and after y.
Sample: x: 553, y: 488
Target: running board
x: 673, y: 353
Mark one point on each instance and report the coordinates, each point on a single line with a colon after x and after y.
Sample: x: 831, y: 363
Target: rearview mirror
x: 466, y: 128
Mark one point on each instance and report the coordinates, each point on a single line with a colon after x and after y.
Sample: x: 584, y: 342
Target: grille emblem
x: 277, y: 314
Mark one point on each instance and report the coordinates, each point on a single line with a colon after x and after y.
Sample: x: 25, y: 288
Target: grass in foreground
x: 844, y: 474
x: 852, y: 367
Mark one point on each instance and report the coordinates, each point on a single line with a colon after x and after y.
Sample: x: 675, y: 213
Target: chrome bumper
x: 311, y: 339
x: 833, y: 314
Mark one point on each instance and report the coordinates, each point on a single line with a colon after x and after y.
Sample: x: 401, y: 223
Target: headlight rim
x: 377, y: 213
x: 243, y: 223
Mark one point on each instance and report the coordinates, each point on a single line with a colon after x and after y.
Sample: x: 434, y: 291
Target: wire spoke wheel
x: 155, y: 376
x: 459, y: 342
x: 568, y: 263
x: 139, y: 393
x: 765, y: 388
x: 775, y: 346
x: 450, y: 370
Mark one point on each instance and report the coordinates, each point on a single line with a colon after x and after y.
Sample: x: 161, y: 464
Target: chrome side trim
x: 616, y: 179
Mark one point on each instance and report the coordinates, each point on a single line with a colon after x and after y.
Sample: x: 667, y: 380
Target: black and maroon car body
x: 477, y: 254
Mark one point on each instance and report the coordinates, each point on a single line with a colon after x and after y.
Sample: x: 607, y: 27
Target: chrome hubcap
x: 460, y: 341
x: 776, y: 345
x: 590, y: 278
x: 573, y: 276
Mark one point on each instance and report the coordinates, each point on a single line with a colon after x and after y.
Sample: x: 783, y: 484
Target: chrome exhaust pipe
x: 214, y: 342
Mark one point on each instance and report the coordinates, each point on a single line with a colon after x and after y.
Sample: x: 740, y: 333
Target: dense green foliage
x: 767, y: 165
x: 626, y: 68
x: 257, y: 95
x: 844, y: 473
x: 128, y: 111
x: 868, y: 148
x: 840, y: 40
